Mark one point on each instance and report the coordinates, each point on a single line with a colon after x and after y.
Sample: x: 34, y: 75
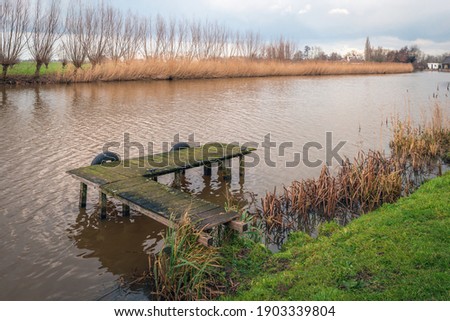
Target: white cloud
x: 306, y: 9
x: 339, y: 11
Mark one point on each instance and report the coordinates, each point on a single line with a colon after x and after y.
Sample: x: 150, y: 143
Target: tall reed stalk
x: 185, y: 269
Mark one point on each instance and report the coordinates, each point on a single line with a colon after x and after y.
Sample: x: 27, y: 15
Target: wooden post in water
x: 125, y: 210
x: 226, y: 169
x: 102, y: 197
x: 177, y: 178
x: 207, y: 170
x: 241, y: 166
x: 83, y: 195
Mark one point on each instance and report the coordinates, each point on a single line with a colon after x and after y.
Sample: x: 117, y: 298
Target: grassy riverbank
x: 398, y: 252
x: 197, y: 69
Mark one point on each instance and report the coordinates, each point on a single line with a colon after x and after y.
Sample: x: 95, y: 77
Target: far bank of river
x: 155, y: 69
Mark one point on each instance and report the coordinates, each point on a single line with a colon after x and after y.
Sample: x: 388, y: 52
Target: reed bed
x: 359, y: 187
x: 222, y: 68
x: 363, y: 184
x: 418, y: 146
x: 185, y: 269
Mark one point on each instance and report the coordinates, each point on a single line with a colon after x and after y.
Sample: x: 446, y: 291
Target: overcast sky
x: 335, y: 25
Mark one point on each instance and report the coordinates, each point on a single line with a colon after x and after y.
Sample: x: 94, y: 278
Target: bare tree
x: 115, y: 47
x: 160, y: 37
x: 182, y: 38
x: 97, y: 21
x: 195, y: 39
x: 131, y: 37
x: 145, y: 26
x: 123, y: 42
x: 45, y: 31
x: 252, y: 44
x: 74, y: 37
x: 13, y: 27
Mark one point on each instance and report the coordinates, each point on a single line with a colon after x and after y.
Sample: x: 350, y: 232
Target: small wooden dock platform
x: 133, y: 182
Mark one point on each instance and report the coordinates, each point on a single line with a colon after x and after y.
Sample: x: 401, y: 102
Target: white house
x: 434, y: 65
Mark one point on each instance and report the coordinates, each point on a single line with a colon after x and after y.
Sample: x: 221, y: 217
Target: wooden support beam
x: 207, y: 170
x: 205, y: 239
x: 103, y: 200
x: 225, y: 167
x: 125, y: 210
x: 238, y: 226
x: 241, y: 166
x: 83, y: 195
x: 177, y: 179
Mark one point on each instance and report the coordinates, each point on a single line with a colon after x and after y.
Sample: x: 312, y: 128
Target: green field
x: 398, y: 252
x: 27, y: 68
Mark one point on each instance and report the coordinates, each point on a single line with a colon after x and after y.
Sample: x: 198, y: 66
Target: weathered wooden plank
x: 130, y: 171
x: 201, y: 206
x: 101, y: 172
x: 207, y: 213
x: 215, y: 220
x: 155, y: 216
x: 238, y: 226
x: 127, y: 184
x: 205, y: 239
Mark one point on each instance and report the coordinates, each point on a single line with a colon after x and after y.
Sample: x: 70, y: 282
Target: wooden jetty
x: 133, y: 182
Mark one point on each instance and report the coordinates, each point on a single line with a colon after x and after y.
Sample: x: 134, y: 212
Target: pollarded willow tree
x: 45, y: 31
x: 73, y: 41
x: 14, y: 22
x: 98, y: 21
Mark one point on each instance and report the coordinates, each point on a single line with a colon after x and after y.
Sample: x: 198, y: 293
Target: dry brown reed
x: 371, y: 180
x: 223, y: 68
x: 419, y: 146
x: 186, y: 269
x: 360, y: 186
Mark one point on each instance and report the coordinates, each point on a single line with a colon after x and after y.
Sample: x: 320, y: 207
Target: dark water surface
x: 50, y: 250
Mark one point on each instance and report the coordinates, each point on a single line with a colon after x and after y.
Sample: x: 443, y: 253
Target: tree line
x: 411, y: 54
x: 93, y: 33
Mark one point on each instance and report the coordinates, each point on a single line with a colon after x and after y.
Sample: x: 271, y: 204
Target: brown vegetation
x: 371, y: 180
x: 185, y: 269
x: 223, y: 68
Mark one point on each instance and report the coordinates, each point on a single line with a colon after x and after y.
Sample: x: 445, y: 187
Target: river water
x: 52, y: 250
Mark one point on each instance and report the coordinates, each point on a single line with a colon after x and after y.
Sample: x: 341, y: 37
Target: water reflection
x: 120, y: 243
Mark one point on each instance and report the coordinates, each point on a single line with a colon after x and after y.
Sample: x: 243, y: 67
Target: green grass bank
x: 399, y: 252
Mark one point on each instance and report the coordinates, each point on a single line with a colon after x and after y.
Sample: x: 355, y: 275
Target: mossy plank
x: 97, y: 174
x: 128, y: 171
x: 207, y: 213
x: 127, y: 184
x: 216, y: 219
x: 201, y: 206
x: 157, y: 197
